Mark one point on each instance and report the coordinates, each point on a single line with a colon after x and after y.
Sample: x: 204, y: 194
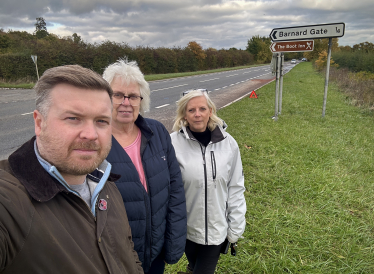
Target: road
x: 16, y: 106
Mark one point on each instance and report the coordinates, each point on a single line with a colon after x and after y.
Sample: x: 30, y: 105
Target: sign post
x: 278, y: 60
x: 34, y: 59
x: 281, y: 84
x: 327, y: 78
x: 320, y: 31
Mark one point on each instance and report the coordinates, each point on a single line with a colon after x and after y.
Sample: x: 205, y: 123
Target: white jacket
x: 214, y: 186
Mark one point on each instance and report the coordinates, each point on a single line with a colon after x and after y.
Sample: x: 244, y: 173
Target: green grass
x: 309, y: 181
x: 17, y: 86
x: 152, y: 77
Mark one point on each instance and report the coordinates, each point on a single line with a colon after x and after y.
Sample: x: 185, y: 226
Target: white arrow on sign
x: 308, y: 32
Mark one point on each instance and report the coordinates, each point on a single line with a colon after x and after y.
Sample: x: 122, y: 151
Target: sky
x: 174, y: 23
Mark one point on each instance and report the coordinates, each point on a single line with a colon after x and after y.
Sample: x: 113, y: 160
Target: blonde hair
x: 180, y: 121
x: 129, y: 72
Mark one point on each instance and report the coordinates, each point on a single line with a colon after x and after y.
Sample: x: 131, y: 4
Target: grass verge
x: 309, y: 181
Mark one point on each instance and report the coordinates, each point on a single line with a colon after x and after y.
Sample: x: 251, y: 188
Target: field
x: 309, y: 181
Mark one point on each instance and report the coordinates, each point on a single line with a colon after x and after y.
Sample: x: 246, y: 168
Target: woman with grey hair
x: 212, y: 174
x: 150, y: 183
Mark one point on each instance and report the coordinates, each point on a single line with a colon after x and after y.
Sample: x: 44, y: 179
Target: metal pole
x: 327, y: 78
x: 281, y: 84
x: 37, y: 73
x: 275, y: 117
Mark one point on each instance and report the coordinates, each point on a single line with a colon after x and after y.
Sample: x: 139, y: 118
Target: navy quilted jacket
x: 158, y: 218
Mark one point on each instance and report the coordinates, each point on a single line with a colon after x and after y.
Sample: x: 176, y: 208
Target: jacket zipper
x: 203, y: 149
x: 214, y: 168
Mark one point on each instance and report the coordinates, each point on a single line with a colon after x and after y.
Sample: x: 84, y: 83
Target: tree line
x: 16, y: 48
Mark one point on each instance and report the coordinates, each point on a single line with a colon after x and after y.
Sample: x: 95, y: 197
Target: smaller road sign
x: 34, y: 58
x: 292, y: 46
x: 308, y: 32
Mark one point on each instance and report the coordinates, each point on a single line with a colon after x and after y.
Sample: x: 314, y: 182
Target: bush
x: 355, y: 61
x: 359, y: 87
x: 321, y: 63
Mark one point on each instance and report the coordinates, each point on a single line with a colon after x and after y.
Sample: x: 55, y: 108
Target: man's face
x: 76, y: 135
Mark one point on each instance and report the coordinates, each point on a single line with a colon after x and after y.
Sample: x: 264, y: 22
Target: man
x: 56, y: 217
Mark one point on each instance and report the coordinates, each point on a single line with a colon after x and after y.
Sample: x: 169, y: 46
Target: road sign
x: 292, y: 46
x: 308, y: 32
x: 34, y: 58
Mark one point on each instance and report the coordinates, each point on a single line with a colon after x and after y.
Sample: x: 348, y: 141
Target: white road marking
x: 209, y: 80
x: 232, y: 75
x: 162, y: 106
x: 27, y: 113
x: 170, y: 87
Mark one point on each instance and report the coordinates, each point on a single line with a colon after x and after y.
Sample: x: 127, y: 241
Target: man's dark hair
x: 74, y: 75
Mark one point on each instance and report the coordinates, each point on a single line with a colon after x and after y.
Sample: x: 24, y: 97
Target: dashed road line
x: 27, y: 113
x: 209, y: 80
x: 162, y: 106
x: 170, y: 87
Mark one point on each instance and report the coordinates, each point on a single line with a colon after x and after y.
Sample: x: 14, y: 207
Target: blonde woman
x: 209, y: 159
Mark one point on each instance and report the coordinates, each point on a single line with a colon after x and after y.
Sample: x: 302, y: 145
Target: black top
x: 203, y: 137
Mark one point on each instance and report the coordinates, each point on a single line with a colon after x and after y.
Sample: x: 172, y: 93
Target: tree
x: 40, y: 24
x: 40, y: 28
x: 321, y: 45
x: 76, y: 38
x: 322, y: 61
x: 345, y: 48
x: 260, y: 48
x: 4, y: 41
x: 364, y: 47
x: 198, y: 51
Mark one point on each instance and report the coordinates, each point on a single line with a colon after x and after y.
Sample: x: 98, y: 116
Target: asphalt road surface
x: 17, y: 105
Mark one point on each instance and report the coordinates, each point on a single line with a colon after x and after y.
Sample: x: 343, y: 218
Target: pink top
x: 133, y: 151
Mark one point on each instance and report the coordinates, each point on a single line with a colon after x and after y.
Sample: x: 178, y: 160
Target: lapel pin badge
x: 103, y: 205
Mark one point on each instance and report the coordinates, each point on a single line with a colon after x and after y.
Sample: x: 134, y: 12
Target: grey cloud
x: 213, y: 23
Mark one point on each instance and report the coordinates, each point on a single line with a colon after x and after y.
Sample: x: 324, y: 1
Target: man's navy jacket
x: 158, y: 217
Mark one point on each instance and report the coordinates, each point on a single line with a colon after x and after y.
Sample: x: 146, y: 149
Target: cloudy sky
x: 167, y: 23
